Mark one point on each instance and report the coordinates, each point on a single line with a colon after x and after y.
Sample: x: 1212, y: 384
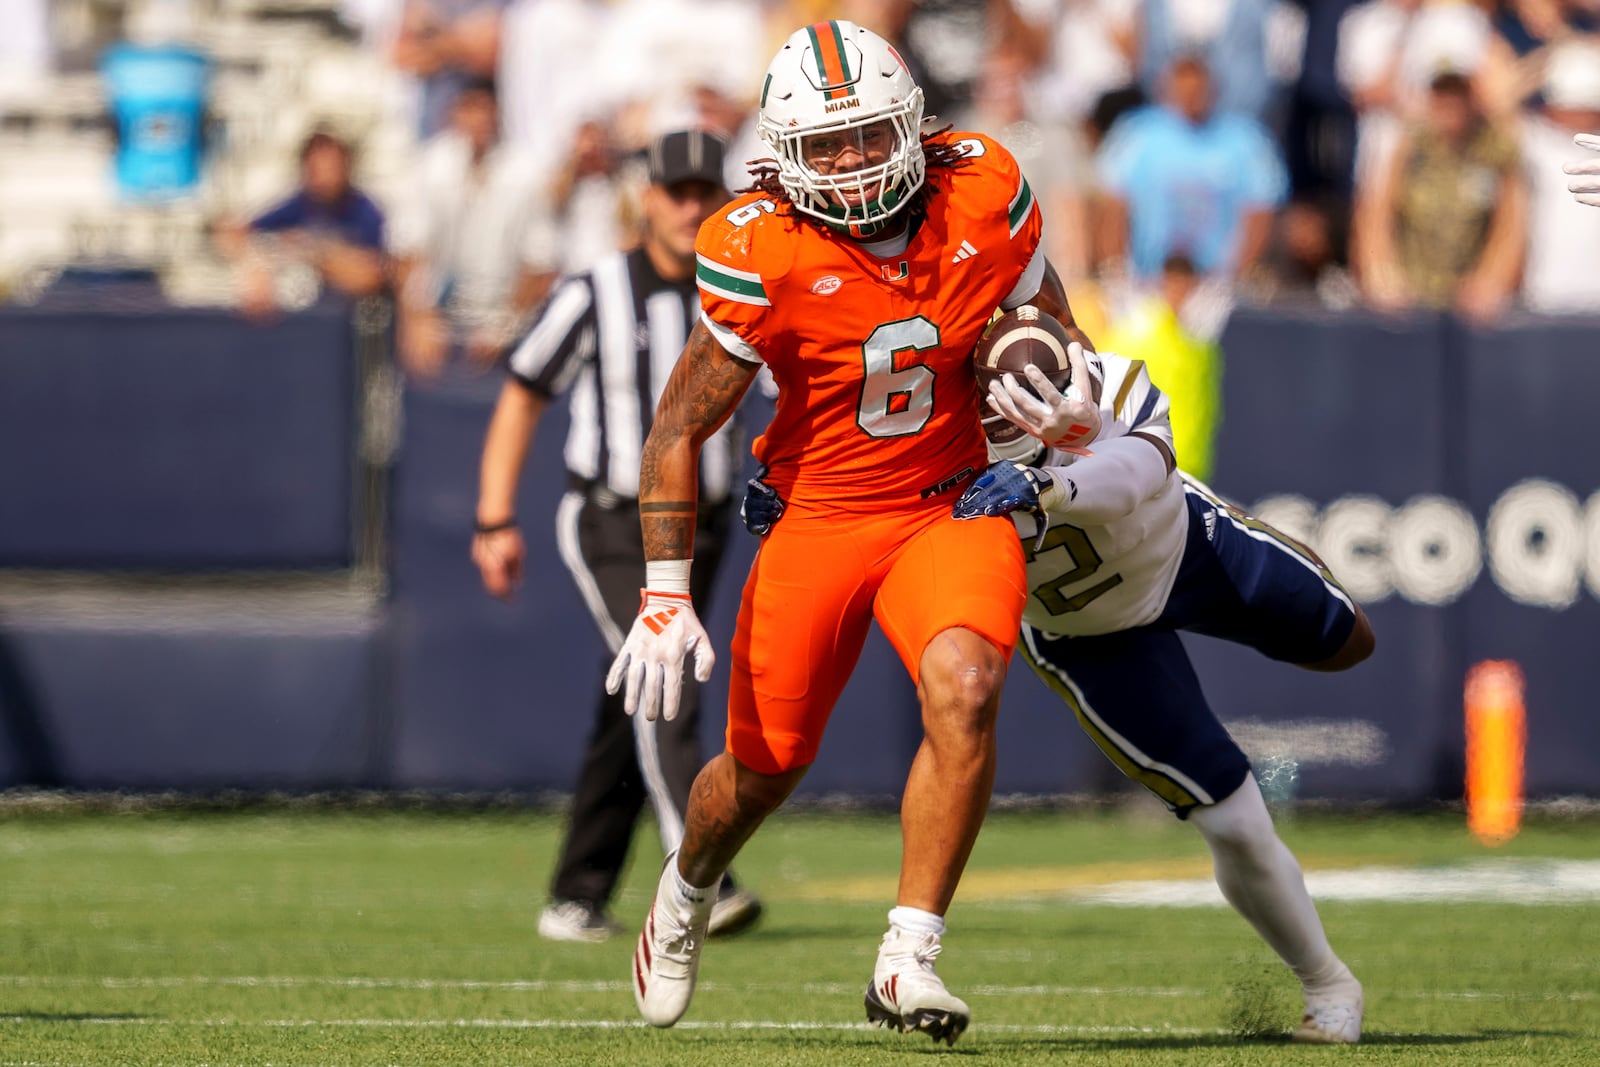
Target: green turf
x: 325, y: 938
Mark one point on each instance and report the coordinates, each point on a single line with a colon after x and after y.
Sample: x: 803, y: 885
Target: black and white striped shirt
x: 612, y: 335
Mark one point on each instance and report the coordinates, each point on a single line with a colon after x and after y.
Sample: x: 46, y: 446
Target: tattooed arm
x: 705, y: 387
x: 1052, y: 300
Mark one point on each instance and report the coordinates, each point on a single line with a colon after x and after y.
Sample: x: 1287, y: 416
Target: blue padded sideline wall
x: 176, y: 440
x: 1457, y: 501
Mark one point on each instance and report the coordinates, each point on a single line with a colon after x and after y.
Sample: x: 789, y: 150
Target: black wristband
x: 494, y: 527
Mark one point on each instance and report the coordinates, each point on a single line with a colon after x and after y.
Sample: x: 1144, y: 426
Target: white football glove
x: 1066, y: 421
x: 651, y: 660
x: 1585, y: 183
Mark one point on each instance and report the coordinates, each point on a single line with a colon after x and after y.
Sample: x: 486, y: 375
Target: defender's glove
x: 1006, y: 487
x: 1066, y: 421
x: 651, y: 660
x: 1585, y: 183
x: 761, y: 507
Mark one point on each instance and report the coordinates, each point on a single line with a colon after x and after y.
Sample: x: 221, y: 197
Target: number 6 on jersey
x: 896, y: 402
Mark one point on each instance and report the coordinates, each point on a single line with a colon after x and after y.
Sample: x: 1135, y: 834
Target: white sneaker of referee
x: 666, y: 961
x: 905, y: 994
x: 1261, y: 879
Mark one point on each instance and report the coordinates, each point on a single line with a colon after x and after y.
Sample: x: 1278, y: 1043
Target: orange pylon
x: 1497, y: 734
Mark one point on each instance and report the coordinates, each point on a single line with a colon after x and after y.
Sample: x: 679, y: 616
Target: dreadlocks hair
x: 939, y: 157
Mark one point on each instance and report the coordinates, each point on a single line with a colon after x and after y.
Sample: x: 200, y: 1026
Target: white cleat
x: 574, y: 920
x: 1332, y: 1018
x: 667, y: 959
x: 907, y: 995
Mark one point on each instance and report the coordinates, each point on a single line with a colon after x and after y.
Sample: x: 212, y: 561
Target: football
x: 1021, y: 336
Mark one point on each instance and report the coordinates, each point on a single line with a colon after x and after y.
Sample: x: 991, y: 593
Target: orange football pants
x: 816, y: 584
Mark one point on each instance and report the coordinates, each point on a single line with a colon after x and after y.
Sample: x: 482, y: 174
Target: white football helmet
x: 836, y: 77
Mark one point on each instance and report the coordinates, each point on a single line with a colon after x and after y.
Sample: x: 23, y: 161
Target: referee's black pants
x: 629, y: 759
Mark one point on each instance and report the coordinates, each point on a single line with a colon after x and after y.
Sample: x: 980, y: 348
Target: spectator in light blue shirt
x: 1181, y: 179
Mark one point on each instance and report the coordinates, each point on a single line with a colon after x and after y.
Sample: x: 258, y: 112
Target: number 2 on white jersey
x: 896, y: 401
x: 1085, y: 561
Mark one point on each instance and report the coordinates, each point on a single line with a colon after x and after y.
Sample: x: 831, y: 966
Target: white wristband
x: 667, y: 575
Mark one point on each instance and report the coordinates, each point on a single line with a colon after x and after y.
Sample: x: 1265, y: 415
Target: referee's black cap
x: 687, y: 155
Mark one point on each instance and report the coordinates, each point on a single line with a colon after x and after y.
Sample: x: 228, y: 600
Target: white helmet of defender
x: 836, y: 78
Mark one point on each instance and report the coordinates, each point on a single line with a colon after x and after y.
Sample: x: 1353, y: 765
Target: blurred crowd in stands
x: 1189, y: 154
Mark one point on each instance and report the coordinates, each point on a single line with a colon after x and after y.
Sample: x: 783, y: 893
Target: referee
x: 611, y: 335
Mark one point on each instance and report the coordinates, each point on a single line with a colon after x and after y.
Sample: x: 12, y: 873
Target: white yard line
x: 608, y: 986
x: 1498, y: 881
x: 600, y: 1024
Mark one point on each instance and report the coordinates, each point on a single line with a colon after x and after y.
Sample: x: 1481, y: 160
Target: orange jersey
x: 877, y: 403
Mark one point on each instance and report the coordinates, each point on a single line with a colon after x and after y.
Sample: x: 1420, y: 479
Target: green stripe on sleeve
x: 739, y: 287
x: 1019, y: 210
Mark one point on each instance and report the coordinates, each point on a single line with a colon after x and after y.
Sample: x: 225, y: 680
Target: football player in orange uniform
x: 861, y: 272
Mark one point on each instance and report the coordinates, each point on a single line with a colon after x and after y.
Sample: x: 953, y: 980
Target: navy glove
x: 761, y: 508
x: 1006, y: 487
x: 1001, y: 489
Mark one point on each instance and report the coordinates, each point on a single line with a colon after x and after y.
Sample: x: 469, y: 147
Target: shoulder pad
x: 748, y: 234
x: 987, y: 174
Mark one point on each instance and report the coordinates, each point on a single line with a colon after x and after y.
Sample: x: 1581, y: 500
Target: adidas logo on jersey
x: 966, y: 251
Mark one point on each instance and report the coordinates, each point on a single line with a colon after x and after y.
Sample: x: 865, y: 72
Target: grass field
x: 322, y: 938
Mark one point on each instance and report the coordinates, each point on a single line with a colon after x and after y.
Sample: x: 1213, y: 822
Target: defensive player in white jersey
x: 1123, y: 552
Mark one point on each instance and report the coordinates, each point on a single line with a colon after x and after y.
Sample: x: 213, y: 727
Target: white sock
x: 1333, y: 977
x: 686, y: 896
x: 1261, y: 879
x: 916, y: 921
